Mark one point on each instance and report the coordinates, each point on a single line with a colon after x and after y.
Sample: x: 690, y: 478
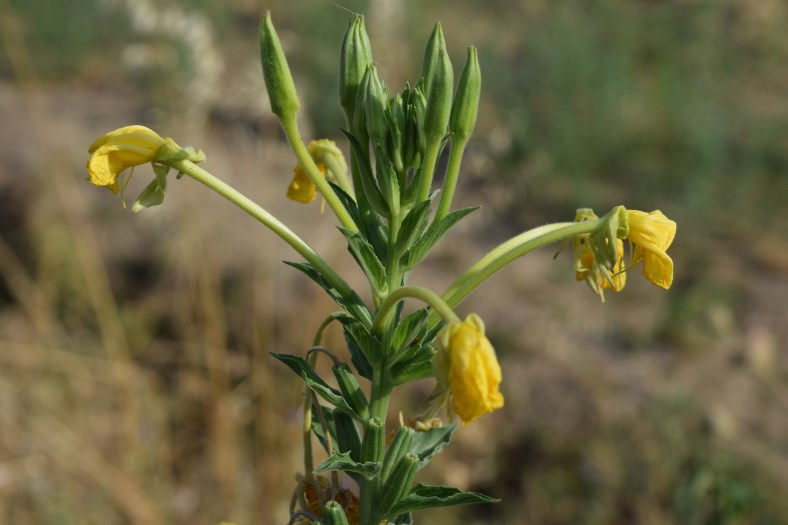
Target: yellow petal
x: 120, y: 150
x: 652, y: 234
x: 474, y: 374
x: 301, y: 188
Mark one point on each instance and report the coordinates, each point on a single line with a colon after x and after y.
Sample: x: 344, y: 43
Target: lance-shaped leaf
x: 427, y: 497
x: 421, y: 248
x: 416, y: 365
x: 342, y: 461
x: 413, y: 226
x: 351, y: 303
x: 317, y: 426
x: 315, y: 383
x: 428, y: 443
x: 409, y: 331
x: 364, y: 254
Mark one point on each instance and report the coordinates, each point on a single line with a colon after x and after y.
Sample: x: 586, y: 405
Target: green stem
x: 508, y: 252
x: 242, y: 201
x: 311, y: 169
x: 452, y: 172
x: 439, y: 306
x: 380, y: 394
x: 428, y: 165
x: 340, y: 174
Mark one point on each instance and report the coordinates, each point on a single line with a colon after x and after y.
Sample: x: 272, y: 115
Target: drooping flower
x: 467, y: 370
x: 650, y: 235
x: 120, y: 150
x: 328, y: 157
x: 598, y: 277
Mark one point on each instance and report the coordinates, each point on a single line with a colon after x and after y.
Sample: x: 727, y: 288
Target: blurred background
x: 135, y: 381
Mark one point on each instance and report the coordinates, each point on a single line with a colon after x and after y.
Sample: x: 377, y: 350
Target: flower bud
x: 466, y: 100
x: 399, y: 482
x: 376, y: 103
x: 333, y: 514
x: 356, y: 57
x: 351, y: 390
x: 436, y: 118
x: 374, y: 440
x: 278, y: 80
x: 431, y: 53
x: 400, y: 446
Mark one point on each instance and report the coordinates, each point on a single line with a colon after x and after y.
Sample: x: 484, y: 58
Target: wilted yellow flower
x: 597, y: 276
x: 651, y: 234
x: 467, y: 370
x: 325, y: 153
x: 120, y: 150
x: 301, y: 188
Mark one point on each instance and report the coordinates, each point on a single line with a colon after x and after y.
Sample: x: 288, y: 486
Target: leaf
x: 361, y: 344
x: 410, y: 328
x: 317, y: 426
x: 315, y: 383
x: 365, y: 256
x: 352, y: 303
x: 369, y: 223
x: 426, y: 497
x: 413, y: 225
x: 342, y: 461
x: 368, y: 186
x: 421, y: 248
x: 417, y: 365
x: 428, y: 443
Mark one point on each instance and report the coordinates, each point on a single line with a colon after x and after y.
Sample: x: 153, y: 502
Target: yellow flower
x: 651, y: 234
x: 467, y: 370
x: 325, y: 153
x: 120, y: 150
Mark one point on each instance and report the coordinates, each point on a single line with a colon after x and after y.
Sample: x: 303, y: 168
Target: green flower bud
x: 431, y: 53
x: 398, y: 484
x: 356, y: 57
x: 466, y: 100
x: 394, y: 139
x: 358, y: 127
x: 351, y: 390
x: 333, y: 514
x: 374, y: 440
x: 376, y: 104
x: 400, y: 446
x: 436, y: 118
x: 348, y: 439
x: 278, y: 80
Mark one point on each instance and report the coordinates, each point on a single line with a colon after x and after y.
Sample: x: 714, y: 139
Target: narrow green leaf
x: 362, y: 345
x: 413, y: 225
x: 421, y: 248
x: 342, y: 461
x: 428, y: 443
x: 315, y: 383
x: 416, y: 365
x: 317, y: 426
x: 427, y: 497
x: 364, y: 254
x: 409, y: 330
x: 348, y: 438
x: 352, y: 303
x: 368, y: 186
x: 369, y: 223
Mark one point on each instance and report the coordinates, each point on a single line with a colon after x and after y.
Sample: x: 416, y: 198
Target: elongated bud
x: 466, y: 99
x: 348, y: 439
x: 431, y: 53
x: 356, y: 57
x: 400, y: 446
x: 278, y: 80
x: 399, y: 482
x: 374, y: 440
x: 358, y: 127
x: 351, y: 390
x: 436, y: 118
x: 333, y: 514
x: 377, y: 100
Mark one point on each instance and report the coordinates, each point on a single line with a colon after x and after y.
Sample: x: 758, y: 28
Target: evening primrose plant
x: 391, y: 215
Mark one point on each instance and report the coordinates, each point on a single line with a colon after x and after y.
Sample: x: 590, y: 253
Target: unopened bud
x: 466, y: 100
x: 399, y: 482
x: 278, y: 80
x: 436, y: 119
x: 333, y: 514
x: 356, y: 57
x: 377, y: 100
x: 431, y: 53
